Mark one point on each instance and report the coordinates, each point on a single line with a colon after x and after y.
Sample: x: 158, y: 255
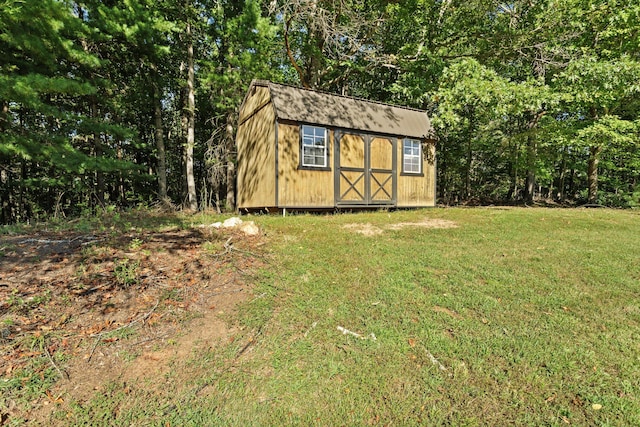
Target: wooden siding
x: 256, y: 142
x: 352, y: 187
x: 417, y: 191
x: 352, y: 151
x: 381, y: 156
x: 257, y: 97
x: 301, y: 187
x: 381, y: 167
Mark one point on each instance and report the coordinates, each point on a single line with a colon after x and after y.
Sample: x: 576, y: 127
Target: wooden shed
x: 305, y: 149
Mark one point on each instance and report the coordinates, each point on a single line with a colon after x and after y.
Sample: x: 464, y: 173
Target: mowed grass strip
x: 483, y: 316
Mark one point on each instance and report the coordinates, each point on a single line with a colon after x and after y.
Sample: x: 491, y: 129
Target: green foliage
x: 126, y: 272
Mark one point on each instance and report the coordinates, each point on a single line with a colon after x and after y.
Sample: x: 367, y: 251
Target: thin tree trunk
x: 231, y: 180
x: 162, y: 155
x: 20, y: 204
x: 563, y: 174
x: 4, y: 112
x: 572, y: 183
x: 5, y: 197
x: 98, y: 151
x: 191, y: 200
x: 532, y: 155
x: 592, y: 173
x: 530, y: 185
x: 231, y: 171
x: 23, y: 213
x: 513, y: 185
x: 467, y: 178
x: 122, y: 197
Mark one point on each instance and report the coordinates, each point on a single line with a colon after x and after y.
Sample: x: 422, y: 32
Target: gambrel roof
x: 321, y: 108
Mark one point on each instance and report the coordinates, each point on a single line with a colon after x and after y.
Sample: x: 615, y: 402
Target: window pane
x: 411, y: 162
x: 314, y: 146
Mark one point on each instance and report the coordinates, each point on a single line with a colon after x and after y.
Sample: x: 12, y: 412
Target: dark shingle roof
x: 314, y: 107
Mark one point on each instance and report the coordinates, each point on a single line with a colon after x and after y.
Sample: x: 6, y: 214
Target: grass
x: 533, y: 314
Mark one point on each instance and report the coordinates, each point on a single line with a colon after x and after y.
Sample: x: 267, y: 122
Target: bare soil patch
x: 365, y: 229
x: 111, y: 307
x: 425, y: 223
x: 368, y: 229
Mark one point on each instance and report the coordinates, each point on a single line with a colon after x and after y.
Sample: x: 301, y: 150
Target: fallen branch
x: 86, y: 239
x: 262, y: 295
x: 159, y: 337
x: 313, y: 325
x: 231, y: 365
x: 357, y: 335
x: 228, y: 247
x: 435, y: 361
x: 133, y: 322
x: 62, y: 375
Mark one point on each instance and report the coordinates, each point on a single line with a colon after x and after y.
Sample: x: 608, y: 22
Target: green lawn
x: 513, y: 316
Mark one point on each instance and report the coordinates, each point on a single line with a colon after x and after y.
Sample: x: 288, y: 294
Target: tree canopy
x: 126, y: 102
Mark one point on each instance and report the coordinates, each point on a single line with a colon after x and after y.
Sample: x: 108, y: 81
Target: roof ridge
x: 323, y: 92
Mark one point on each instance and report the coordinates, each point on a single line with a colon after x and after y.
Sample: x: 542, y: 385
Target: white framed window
x: 412, y: 156
x: 314, y: 151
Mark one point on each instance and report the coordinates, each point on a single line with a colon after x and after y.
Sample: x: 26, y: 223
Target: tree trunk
x: 513, y: 185
x: 441, y: 175
x: 97, y: 148
x: 592, y: 173
x: 532, y: 156
x: 122, y: 196
x: 467, y: 178
x: 563, y: 173
x: 191, y: 202
x: 231, y: 170
x: 162, y: 155
x: 530, y: 184
x: 4, y: 113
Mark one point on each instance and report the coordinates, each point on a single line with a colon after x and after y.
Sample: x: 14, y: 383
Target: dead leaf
x: 445, y: 310
x: 57, y: 399
x: 412, y: 342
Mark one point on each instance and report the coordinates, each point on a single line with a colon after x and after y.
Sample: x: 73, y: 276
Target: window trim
x: 420, y: 171
x: 301, y: 164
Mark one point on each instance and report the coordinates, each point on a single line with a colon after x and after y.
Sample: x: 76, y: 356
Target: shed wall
x: 257, y: 97
x: 301, y: 188
x: 417, y: 191
x: 256, y: 142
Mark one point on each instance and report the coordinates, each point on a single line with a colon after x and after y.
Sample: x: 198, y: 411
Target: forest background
x: 120, y: 103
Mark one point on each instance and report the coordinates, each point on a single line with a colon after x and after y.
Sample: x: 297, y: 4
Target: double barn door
x: 365, y: 167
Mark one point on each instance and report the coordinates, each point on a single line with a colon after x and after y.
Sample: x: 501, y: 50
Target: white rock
x: 234, y: 221
x: 250, y: 229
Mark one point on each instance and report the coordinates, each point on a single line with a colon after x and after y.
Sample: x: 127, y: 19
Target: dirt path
x: 80, y: 311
